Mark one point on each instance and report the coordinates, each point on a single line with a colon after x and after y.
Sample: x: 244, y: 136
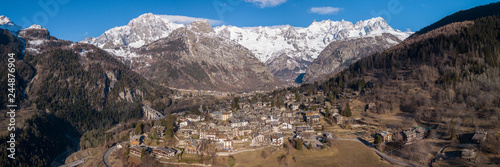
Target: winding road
x: 108, y: 152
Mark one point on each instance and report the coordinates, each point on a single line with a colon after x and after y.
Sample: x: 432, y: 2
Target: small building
x: 135, y: 143
x: 135, y: 150
x: 386, y: 136
x: 479, y: 136
x: 191, y: 146
x: 410, y: 135
x: 277, y: 139
x: 312, y: 119
x: 258, y: 140
x: 468, y: 153
x: 339, y: 119
x: 226, y: 115
x: 228, y: 144
x: 163, y: 152
x: 293, y: 106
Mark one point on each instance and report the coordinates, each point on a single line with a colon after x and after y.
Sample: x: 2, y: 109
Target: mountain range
x: 286, y: 51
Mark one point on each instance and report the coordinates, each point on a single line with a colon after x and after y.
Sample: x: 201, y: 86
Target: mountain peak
x: 36, y: 26
x: 6, y: 23
x: 147, y: 18
x: 5, y: 20
x: 201, y: 26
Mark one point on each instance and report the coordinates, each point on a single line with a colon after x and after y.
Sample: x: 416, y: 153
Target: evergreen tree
x: 138, y: 128
x: 298, y: 144
x: 235, y: 103
x: 231, y: 162
x: 127, y: 152
x: 327, y: 112
x: 347, y: 111
x: 143, y: 153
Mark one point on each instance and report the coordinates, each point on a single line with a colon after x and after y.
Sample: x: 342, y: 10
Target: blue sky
x: 76, y: 19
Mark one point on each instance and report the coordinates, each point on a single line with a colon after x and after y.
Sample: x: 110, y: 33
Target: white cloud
x: 325, y: 10
x: 266, y: 3
x: 186, y: 19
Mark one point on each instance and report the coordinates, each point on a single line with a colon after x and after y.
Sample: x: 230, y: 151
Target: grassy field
x: 345, y: 153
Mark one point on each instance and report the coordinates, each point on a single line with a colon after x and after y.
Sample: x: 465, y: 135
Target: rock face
x: 287, y: 50
x: 35, y: 32
x: 340, y: 54
x: 195, y: 57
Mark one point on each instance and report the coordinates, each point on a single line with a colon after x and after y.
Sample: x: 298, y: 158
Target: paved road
x: 182, y: 163
x: 236, y: 152
x: 437, y: 154
x: 105, y: 158
x: 75, y: 163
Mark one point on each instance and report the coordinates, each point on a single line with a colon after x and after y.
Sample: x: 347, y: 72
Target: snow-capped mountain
x: 194, y: 57
x: 142, y: 30
x: 288, y: 50
x: 5, y: 23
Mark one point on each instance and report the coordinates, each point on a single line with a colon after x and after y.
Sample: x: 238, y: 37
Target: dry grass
x: 345, y: 153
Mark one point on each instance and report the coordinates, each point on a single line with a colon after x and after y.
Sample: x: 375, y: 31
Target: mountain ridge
x: 299, y: 45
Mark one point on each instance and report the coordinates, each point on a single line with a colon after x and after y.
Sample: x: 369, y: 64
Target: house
x: 195, y: 118
x: 183, y: 124
x: 238, y: 123
x: 410, y: 135
x: 277, y: 139
x: 386, y: 136
x: 242, y: 131
x: 293, y: 106
x: 312, y: 119
x: 216, y: 115
x: 286, y: 126
x: 479, y: 136
x: 421, y: 132
x: 339, y: 119
x: 136, y: 140
x: 135, y: 143
x: 303, y: 129
x: 228, y: 144
x: 468, y: 153
x: 226, y: 115
x: 259, y: 104
x: 135, y: 150
x: 258, y: 140
x: 163, y: 152
x: 191, y: 146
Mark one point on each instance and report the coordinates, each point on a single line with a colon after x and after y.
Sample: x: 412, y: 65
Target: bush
x: 231, y: 162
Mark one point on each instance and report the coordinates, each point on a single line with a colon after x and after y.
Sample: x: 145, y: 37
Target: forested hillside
x: 450, y: 73
x: 72, y: 89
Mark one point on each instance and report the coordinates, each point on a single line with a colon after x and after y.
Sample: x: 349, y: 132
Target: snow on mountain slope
x: 5, y: 23
x: 298, y: 47
x: 142, y: 30
x: 287, y: 51
x: 270, y: 42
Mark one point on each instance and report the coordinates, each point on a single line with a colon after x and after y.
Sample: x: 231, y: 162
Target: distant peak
x: 6, y: 23
x: 5, y: 20
x: 201, y: 25
x: 36, y: 26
